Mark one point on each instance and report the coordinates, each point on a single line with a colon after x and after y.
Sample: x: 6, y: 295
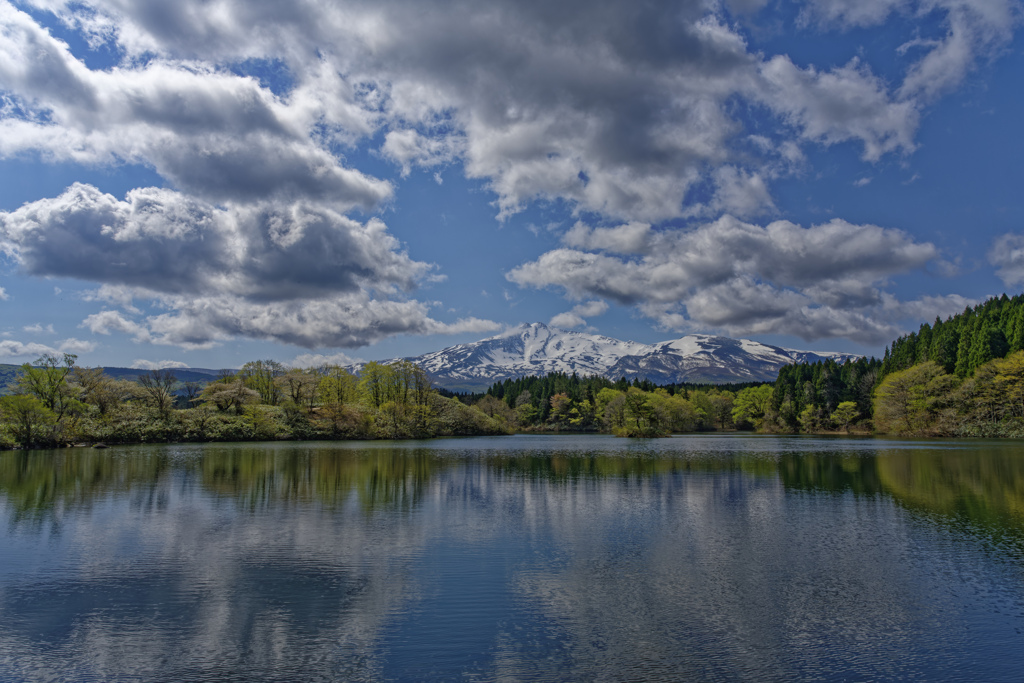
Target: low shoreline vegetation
x: 58, y: 403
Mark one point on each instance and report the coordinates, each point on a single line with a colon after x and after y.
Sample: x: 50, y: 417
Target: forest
x: 560, y: 402
x: 963, y: 376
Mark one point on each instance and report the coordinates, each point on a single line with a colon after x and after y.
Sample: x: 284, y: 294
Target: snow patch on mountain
x: 536, y: 349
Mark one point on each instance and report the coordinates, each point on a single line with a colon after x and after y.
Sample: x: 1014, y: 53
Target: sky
x: 207, y: 182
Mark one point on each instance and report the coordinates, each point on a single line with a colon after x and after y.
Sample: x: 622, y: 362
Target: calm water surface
x: 539, y: 558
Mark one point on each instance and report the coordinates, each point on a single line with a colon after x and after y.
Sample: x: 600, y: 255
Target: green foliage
x: 229, y: 395
x: 47, y: 380
x: 908, y: 401
x: 158, y: 390
x: 845, y: 415
x: 752, y: 405
x: 820, y: 387
x: 925, y: 400
x: 560, y: 402
x: 964, y: 342
x: 391, y: 401
x: 261, y: 376
x: 959, y: 347
x: 27, y: 419
x: 641, y: 416
x: 337, y: 385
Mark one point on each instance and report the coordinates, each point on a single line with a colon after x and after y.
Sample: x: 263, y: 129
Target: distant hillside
x: 202, y: 375
x: 9, y: 375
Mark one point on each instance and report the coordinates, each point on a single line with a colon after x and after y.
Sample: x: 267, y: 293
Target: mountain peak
x: 538, y: 349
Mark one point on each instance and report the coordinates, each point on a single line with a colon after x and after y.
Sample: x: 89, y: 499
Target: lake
x: 534, y: 558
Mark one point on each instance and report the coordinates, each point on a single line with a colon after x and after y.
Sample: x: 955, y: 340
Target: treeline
x: 806, y: 396
x: 561, y: 402
x: 55, y: 403
x: 962, y: 376
x: 963, y: 343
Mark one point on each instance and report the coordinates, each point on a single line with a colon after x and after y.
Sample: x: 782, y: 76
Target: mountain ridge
x: 537, y: 349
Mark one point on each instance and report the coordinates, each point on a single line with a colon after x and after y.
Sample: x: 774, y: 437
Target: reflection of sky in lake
x: 544, y: 559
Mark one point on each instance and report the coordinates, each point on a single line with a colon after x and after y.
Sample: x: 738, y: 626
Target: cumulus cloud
x: 622, y: 111
x: 409, y: 148
x: 13, y: 349
x: 628, y: 112
x: 578, y: 315
x: 846, y: 103
x: 347, y: 321
x: 141, y: 364
x: 631, y: 238
x: 169, y: 242
x: 298, y: 272
x: 973, y: 30
x: 38, y: 328
x: 215, y: 134
x: 1007, y: 255
x: 315, y: 360
x: 10, y: 348
x: 76, y: 346
x: 819, y: 282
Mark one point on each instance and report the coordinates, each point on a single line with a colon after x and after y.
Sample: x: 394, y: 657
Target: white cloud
x: 314, y: 360
x: 141, y: 364
x: 843, y: 104
x: 106, y: 322
x: 567, y: 321
x: 739, y: 193
x: 850, y: 14
x: 210, y: 132
x: 295, y: 272
x: 543, y: 102
x: 627, y: 112
x: 818, y: 282
x: 408, y: 148
x: 975, y: 29
x: 630, y: 238
x: 168, y: 242
x: 339, y: 321
x: 621, y: 111
x: 577, y: 316
x: 592, y: 308
x: 14, y: 349
x: 76, y: 346
x: 38, y: 328
x: 1007, y: 255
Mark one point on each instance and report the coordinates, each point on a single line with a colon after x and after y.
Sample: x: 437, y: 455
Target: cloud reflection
x: 459, y: 558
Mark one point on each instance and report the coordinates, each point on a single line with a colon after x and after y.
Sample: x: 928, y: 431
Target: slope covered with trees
x: 962, y: 376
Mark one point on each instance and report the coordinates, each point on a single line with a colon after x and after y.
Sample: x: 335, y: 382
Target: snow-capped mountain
x: 536, y: 349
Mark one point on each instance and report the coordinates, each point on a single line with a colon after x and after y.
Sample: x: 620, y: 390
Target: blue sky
x: 208, y: 182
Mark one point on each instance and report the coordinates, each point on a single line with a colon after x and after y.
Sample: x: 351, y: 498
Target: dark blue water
x: 516, y: 558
